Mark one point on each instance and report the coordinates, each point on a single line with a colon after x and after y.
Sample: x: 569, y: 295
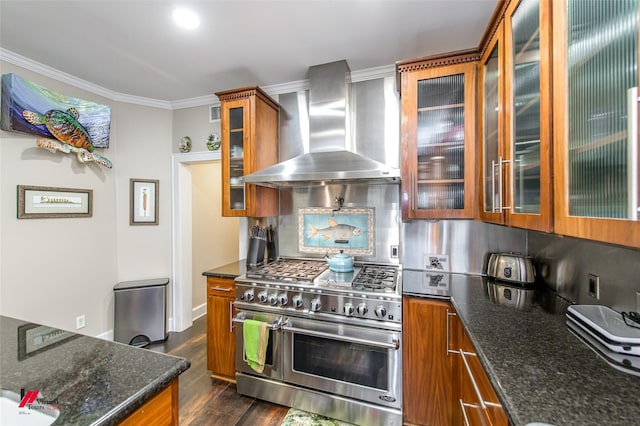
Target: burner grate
x: 376, y: 278
x: 290, y: 270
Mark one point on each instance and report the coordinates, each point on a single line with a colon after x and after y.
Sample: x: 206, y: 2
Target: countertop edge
x: 135, y: 401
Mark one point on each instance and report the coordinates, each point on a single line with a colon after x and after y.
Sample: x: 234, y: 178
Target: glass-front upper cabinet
x: 235, y: 160
x: 438, y: 143
x: 249, y: 122
x: 491, y: 127
x: 596, y: 120
x: 527, y: 166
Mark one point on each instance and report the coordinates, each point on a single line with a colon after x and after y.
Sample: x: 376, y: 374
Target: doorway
x: 184, y: 272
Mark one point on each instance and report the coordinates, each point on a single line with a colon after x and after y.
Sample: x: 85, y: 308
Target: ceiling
x: 134, y: 48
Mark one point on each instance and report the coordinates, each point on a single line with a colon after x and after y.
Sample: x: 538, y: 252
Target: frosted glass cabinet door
x: 597, y: 141
x: 438, y: 142
x: 528, y: 199
x: 234, y: 139
x: 491, y: 93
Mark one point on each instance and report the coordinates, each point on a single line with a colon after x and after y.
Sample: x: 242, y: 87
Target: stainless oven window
x: 344, y: 361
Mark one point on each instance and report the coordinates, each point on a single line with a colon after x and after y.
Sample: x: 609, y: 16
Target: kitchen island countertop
x: 539, y: 369
x: 92, y: 381
x: 231, y: 270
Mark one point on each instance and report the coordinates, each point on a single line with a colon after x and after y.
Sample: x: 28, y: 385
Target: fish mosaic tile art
x: 322, y: 230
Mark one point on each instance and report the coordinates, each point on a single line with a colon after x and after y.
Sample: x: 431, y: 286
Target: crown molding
x: 272, y: 90
x: 47, y: 71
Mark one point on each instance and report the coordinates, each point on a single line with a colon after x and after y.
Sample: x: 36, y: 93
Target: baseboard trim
x: 198, y: 311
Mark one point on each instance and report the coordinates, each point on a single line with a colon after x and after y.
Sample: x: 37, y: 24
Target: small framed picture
x: 47, y: 202
x: 143, y: 202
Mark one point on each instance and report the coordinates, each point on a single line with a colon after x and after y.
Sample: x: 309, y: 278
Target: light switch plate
x: 436, y: 262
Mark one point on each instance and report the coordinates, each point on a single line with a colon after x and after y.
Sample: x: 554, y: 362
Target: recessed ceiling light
x: 186, y: 18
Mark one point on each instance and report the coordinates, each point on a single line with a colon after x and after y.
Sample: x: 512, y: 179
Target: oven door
x: 351, y: 361
x: 273, y: 359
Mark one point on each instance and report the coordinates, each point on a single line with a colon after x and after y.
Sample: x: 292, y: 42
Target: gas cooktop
x: 307, y: 287
x: 367, y: 277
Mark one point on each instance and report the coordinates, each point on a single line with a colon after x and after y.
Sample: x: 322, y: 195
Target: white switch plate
x: 436, y: 262
x: 80, y: 322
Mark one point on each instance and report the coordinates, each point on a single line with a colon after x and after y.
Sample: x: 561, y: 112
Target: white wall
x: 215, y: 238
x: 52, y: 270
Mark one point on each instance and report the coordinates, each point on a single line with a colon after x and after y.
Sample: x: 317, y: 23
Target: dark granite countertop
x: 230, y: 270
x: 93, y: 381
x: 540, y: 370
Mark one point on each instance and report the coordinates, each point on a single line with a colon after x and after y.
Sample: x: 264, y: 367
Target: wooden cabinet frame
x: 410, y: 73
x: 260, y: 149
x: 617, y: 231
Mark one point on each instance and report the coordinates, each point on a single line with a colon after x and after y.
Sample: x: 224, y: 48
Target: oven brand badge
x: 387, y: 398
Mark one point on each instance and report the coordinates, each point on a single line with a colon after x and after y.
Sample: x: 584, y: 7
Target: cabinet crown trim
x: 247, y: 92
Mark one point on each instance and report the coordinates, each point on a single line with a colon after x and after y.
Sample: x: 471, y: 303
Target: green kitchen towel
x: 256, y: 339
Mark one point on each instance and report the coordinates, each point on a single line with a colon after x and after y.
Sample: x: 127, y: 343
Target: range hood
x: 330, y: 157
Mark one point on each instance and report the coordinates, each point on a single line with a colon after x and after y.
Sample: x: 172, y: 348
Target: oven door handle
x: 276, y: 325
x: 393, y: 345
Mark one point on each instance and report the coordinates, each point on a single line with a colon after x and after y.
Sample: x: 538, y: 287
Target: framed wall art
x: 48, y: 202
x: 143, y: 202
x: 323, y: 230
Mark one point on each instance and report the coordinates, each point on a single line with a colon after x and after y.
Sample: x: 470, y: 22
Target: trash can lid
x: 154, y: 282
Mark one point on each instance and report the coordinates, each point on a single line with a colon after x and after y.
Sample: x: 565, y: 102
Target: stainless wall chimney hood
x: 330, y: 157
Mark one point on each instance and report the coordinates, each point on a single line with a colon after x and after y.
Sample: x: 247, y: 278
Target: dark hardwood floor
x: 208, y: 401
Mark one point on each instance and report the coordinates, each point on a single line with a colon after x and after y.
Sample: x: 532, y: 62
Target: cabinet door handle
x: 228, y: 290
x: 501, y: 161
x: 483, y: 403
x: 414, y: 189
x: 447, y: 350
x: 632, y: 152
x: 493, y: 186
x: 231, y: 317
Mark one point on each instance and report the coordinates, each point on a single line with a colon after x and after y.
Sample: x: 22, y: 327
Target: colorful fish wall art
x: 322, y: 230
x: 61, y: 123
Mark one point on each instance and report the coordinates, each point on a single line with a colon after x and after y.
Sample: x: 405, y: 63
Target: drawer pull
x: 449, y: 351
x: 227, y: 289
x: 483, y: 403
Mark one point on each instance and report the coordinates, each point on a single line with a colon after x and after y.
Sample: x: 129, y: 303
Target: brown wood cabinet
x: 438, y: 101
x: 438, y: 382
x: 249, y: 121
x: 161, y: 410
x: 474, y: 399
x: 514, y: 107
x: 427, y: 371
x: 596, y: 152
x: 220, y: 334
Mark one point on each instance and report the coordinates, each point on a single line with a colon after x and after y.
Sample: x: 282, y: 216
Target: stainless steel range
x: 334, y: 338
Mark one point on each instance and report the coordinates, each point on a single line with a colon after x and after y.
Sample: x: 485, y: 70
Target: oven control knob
x: 248, y: 295
x: 273, y: 299
x: 262, y: 297
x: 348, y: 309
x: 282, y: 299
x: 297, y: 301
x: 380, y: 311
x: 362, y: 309
x: 316, y: 305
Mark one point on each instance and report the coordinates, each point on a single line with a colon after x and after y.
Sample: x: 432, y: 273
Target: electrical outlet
x: 394, y: 252
x: 594, y: 286
x: 80, y: 322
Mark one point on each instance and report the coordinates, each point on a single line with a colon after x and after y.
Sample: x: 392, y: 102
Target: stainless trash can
x: 141, y: 312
